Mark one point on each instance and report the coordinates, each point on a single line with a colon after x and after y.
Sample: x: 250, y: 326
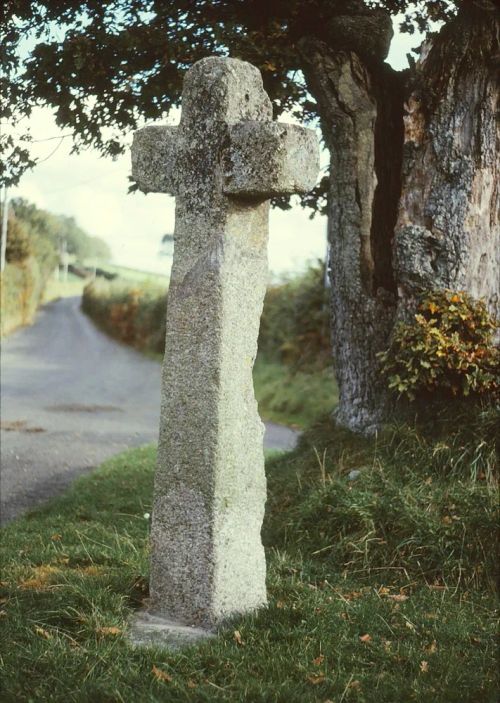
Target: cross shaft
x: 223, y: 163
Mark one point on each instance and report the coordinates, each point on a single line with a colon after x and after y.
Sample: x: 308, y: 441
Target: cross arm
x: 266, y: 159
x: 154, y: 156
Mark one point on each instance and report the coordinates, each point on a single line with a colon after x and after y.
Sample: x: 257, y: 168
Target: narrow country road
x: 70, y: 398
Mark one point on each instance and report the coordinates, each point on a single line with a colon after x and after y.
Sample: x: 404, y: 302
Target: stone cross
x: 223, y: 163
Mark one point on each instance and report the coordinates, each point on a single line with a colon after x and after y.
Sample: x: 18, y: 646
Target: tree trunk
x: 448, y: 232
x: 413, y: 201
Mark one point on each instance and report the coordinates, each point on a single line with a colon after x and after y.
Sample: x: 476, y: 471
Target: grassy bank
x: 381, y: 589
x: 293, y: 397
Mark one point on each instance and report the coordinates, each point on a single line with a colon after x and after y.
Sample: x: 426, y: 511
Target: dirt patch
x: 77, y: 408
x: 19, y: 426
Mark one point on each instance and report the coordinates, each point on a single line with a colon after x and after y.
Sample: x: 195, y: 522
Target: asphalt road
x: 70, y: 398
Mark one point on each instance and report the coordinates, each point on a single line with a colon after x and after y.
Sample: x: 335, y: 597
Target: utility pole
x: 5, y: 214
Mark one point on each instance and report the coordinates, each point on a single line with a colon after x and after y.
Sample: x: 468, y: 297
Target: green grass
x: 293, y: 397
x: 380, y: 589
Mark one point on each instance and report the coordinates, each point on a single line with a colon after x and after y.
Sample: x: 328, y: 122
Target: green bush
x: 295, y: 323
x: 447, y: 350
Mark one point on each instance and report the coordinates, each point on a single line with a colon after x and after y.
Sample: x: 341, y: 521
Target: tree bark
x: 413, y: 200
x: 447, y: 233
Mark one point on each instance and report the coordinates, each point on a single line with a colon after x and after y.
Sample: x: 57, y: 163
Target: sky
x: 93, y: 190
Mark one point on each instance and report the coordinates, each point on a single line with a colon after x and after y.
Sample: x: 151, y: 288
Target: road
x: 70, y: 398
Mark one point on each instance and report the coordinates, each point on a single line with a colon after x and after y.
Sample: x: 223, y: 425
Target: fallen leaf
x: 352, y: 595
x: 432, y: 648
x: 41, y: 574
x: 399, y: 598
x: 319, y: 660
x: 108, y: 631
x: 315, y: 679
x: 237, y: 638
x: 365, y: 638
x: 43, y: 633
x: 424, y: 666
x: 161, y: 675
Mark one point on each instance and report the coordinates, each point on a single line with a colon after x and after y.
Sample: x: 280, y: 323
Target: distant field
x: 131, y: 274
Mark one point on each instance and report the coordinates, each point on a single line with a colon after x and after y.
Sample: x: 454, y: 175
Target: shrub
x: 21, y: 290
x: 447, y: 350
x: 134, y: 315
x: 295, y: 323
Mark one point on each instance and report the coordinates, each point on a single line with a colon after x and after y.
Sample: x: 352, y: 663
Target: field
x: 130, y: 274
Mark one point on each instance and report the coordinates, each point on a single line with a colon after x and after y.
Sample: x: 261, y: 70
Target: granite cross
x: 223, y: 163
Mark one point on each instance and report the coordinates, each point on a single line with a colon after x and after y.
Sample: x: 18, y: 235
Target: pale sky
x: 94, y: 191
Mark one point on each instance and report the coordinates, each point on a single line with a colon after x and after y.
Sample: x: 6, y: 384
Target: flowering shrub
x: 447, y: 349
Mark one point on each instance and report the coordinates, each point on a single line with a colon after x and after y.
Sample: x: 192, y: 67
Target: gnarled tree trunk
x: 413, y: 201
x: 448, y: 233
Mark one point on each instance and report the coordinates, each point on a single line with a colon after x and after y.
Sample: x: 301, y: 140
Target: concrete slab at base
x: 147, y: 630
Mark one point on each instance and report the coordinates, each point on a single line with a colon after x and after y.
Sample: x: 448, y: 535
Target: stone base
x: 148, y: 630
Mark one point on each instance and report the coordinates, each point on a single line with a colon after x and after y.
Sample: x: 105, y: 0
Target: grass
x: 380, y: 588
x: 293, y: 397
